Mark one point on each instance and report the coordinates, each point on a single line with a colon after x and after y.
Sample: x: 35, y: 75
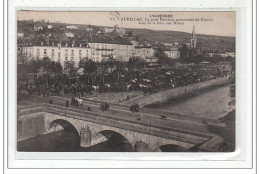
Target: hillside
x: 152, y: 36
x: 208, y: 41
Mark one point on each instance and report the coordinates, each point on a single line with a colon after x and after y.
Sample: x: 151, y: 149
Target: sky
x: 213, y: 23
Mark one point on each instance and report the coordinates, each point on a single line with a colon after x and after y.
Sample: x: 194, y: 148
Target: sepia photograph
x: 126, y: 81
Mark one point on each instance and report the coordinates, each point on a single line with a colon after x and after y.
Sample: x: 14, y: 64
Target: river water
x: 210, y: 104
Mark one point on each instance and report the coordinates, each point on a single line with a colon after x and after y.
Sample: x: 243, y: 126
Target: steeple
x: 193, y: 41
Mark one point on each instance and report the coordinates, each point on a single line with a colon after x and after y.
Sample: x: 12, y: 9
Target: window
x: 66, y: 51
x: 72, y: 52
x: 45, y: 51
x: 80, y: 52
x: 19, y: 49
x: 38, y: 50
x: 66, y: 58
x: 52, y: 51
x: 58, y: 55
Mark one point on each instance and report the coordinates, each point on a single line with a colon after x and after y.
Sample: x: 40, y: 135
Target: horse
x: 80, y: 101
x: 95, y: 88
x: 128, y: 87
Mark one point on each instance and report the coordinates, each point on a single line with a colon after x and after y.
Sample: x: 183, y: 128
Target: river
x: 68, y: 141
x: 211, y: 104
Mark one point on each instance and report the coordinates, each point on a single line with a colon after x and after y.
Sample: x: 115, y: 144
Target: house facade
x: 143, y: 52
x: 62, y: 52
x: 172, y: 53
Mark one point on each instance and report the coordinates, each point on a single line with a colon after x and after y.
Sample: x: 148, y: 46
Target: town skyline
x: 218, y: 19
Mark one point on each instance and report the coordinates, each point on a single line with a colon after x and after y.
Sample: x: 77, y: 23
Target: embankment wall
x: 163, y: 96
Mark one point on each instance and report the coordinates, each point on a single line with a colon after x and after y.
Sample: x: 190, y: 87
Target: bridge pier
x: 141, y: 146
x: 85, y: 137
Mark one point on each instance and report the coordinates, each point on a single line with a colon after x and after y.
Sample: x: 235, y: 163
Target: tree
x: 46, y: 64
x: 22, y: 59
x: 82, y: 62
x: 89, y: 68
x: 58, y: 68
x: 135, y: 62
x: 130, y: 33
x: 183, y: 52
x: 162, y: 57
x: 70, y: 68
x: 35, y: 65
x: 55, y: 67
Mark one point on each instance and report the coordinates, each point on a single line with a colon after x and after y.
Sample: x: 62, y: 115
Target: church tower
x: 193, y: 40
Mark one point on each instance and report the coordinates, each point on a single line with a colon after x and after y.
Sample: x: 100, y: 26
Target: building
x: 20, y: 35
x: 109, y: 30
x: 152, y: 62
x: 193, y: 41
x: 104, y: 48
x: 40, y: 26
x: 167, y: 44
x: 143, y: 51
x: 94, y: 47
x: 49, y: 26
x: 172, y: 53
x: 69, y: 34
x: 60, y: 52
x: 117, y: 30
x: 71, y: 27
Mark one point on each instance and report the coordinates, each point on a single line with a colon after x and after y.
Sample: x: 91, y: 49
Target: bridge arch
x: 170, y: 148
x: 114, y: 139
x: 58, y: 124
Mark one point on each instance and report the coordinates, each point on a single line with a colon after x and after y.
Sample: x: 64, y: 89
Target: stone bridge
x: 92, y: 128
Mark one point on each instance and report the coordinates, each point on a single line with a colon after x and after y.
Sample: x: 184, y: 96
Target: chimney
x: 66, y: 44
x: 80, y: 45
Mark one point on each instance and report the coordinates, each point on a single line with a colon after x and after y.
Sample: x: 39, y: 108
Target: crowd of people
x: 146, y: 80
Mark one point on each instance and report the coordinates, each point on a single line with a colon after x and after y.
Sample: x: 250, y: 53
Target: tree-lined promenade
x: 46, y: 77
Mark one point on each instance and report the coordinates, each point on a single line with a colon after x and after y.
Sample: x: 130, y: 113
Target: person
x: 67, y: 103
x: 43, y: 92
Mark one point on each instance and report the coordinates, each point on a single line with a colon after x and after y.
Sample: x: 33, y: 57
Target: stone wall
x: 29, y: 126
x: 163, y: 96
